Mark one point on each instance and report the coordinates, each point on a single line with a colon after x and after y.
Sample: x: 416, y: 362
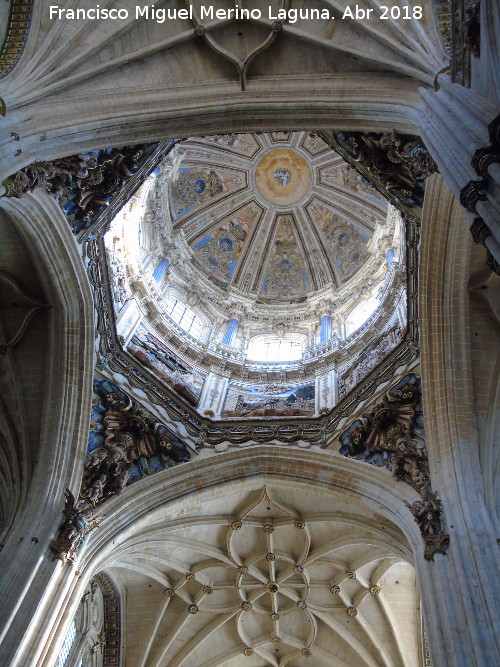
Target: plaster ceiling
x: 278, y: 216
x: 267, y: 577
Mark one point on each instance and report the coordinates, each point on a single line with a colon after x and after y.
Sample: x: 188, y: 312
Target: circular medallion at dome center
x: 282, y: 177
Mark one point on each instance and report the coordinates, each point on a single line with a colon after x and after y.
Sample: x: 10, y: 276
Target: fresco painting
x: 175, y: 372
x: 269, y: 400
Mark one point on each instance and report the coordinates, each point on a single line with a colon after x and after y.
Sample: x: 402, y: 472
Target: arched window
x: 67, y: 645
x: 274, y: 349
x: 232, y: 327
x: 358, y: 315
x: 161, y: 270
x: 184, y: 316
x: 326, y: 329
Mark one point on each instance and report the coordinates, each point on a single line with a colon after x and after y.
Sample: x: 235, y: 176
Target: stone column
x: 461, y: 591
x: 456, y: 122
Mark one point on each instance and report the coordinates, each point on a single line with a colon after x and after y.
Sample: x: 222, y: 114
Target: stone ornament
x: 125, y: 442
x: 268, y: 528
x: 426, y: 512
x: 374, y: 590
x: 306, y: 652
x: 190, y: 577
x: 352, y: 611
x: 270, y: 557
x: 208, y: 590
x: 298, y: 523
x: 248, y: 651
x: 391, y: 434
x: 398, y: 163
x: 335, y: 589
x: 275, y: 617
x: 246, y: 606
x: 193, y: 609
x: 350, y: 575
x: 169, y: 592
x: 83, y: 184
x: 236, y: 525
x: 72, y: 532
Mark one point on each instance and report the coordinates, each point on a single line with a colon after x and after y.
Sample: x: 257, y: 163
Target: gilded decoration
x: 17, y: 33
x: 282, y: 177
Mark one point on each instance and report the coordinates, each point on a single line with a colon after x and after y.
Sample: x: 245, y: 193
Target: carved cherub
x: 98, y: 487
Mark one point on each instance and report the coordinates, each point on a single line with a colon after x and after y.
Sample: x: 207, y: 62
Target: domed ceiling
x: 277, y: 216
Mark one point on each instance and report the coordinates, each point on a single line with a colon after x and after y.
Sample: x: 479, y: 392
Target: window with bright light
x: 274, y: 350
x: 358, y: 316
x: 185, y: 317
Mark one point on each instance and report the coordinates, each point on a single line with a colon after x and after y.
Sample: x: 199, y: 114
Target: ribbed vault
x: 266, y: 574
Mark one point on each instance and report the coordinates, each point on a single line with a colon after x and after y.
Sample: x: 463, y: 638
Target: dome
x: 277, y: 217
x: 249, y: 267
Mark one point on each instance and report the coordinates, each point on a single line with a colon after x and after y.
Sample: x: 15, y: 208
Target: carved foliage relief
x: 392, y: 434
x: 83, y: 184
x: 125, y: 444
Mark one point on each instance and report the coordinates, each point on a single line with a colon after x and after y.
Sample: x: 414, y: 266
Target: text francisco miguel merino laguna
x: 209, y: 12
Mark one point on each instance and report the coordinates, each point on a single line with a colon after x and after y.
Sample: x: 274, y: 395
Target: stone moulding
x: 476, y: 190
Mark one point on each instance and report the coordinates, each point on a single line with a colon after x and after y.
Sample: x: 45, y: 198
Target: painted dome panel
x: 343, y: 176
x: 277, y: 216
x: 197, y: 185
x: 286, y: 272
x: 344, y: 241
x: 219, y: 250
